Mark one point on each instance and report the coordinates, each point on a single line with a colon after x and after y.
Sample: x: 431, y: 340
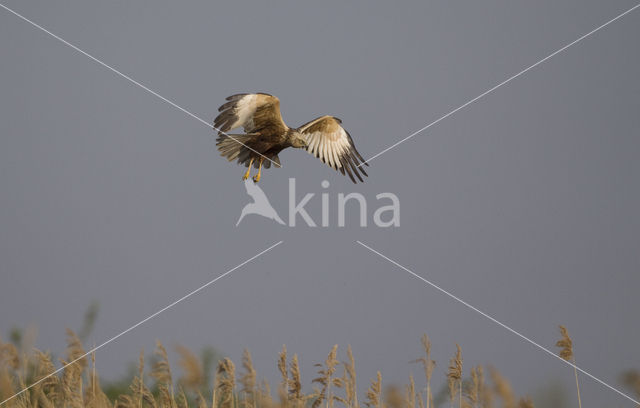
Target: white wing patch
x: 250, y: 111
x: 245, y: 108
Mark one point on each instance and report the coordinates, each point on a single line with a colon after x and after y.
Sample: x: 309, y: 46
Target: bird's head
x: 298, y: 140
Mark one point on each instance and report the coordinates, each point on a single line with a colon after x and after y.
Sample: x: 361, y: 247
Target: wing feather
x: 258, y: 112
x: 331, y: 143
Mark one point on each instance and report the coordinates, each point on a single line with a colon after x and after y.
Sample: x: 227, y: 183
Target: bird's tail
x: 233, y: 146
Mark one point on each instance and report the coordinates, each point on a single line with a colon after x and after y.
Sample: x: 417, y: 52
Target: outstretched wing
x: 329, y: 142
x: 256, y: 113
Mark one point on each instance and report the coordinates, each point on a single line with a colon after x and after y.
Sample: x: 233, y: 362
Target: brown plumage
x: 266, y: 135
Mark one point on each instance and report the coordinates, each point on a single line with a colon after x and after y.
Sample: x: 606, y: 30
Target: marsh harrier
x: 266, y: 135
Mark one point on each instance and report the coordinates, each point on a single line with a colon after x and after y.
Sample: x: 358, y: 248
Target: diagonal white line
x: 501, y: 84
x: 475, y: 309
x: 211, y: 282
x: 133, y: 81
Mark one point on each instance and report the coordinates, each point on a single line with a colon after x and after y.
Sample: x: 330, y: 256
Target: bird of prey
x: 266, y: 135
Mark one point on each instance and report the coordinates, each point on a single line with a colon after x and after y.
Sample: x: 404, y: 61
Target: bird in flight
x: 266, y: 135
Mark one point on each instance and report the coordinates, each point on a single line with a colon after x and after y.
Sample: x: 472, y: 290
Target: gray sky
x: 525, y: 204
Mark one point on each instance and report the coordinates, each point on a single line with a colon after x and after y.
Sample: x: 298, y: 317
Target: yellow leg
x: 248, y: 173
x: 256, y: 178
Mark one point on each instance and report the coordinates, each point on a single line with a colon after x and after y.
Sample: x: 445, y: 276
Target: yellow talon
x: 256, y: 178
x: 248, y: 173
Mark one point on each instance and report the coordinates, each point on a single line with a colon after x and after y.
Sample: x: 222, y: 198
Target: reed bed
x: 154, y: 385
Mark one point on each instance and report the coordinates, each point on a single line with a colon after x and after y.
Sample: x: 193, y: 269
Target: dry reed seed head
x: 265, y: 389
x: 484, y: 394
x: 200, y: 400
x: 429, y: 364
x: 393, y: 397
x: 374, y: 391
x: 332, y: 360
x: 46, y: 367
x: 282, y: 365
x: 182, y: 399
x: 194, y: 377
x: 248, y: 380
x: 124, y: 401
x: 473, y: 388
x: 341, y: 400
x: 264, y: 399
x: 526, y: 402
x: 350, y: 368
x: 350, y: 379
x: 141, y: 364
x: 454, y: 375
x: 226, y: 373
x: 566, y: 344
x: 71, y: 383
x: 455, y: 365
x: 420, y: 400
x: 295, y: 386
x: 226, y: 382
x: 319, y: 397
x: 9, y: 356
x: 75, y: 349
x: 410, y: 393
x: 165, y: 396
x: 6, y: 385
x: 503, y: 389
x: 451, y: 384
x: 283, y: 396
x: 161, y: 370
x: 141, y: 392
x: 326, y: 378
x: 9, y: 362
x: 326, y: 372
x: 631, y: 379
x: 351, y: 364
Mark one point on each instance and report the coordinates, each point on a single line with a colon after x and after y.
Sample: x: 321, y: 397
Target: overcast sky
x: 525, y: 203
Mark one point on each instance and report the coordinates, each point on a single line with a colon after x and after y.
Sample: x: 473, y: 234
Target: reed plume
x: 248, y: 380
x: 472, y: 392
x: 631, y: 379
x: 525, y: 402
x: 226, y: 383
x: 428, y: 366
x: 503, y: 389
x: 161, y: 372
x: 327, y: 379
x: 350, y: 387
x: 566, y: 352
x: 420, y: 400
x: 393, y: 397
x: 454, y: 376
x: 295, y: 384
x: 410, y: 393
x: 193, y: 378
x: 282, y: 367
x: 374, y: 393
x: 71, y: 384
x: 141, y: 394
x: 9, y: 363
